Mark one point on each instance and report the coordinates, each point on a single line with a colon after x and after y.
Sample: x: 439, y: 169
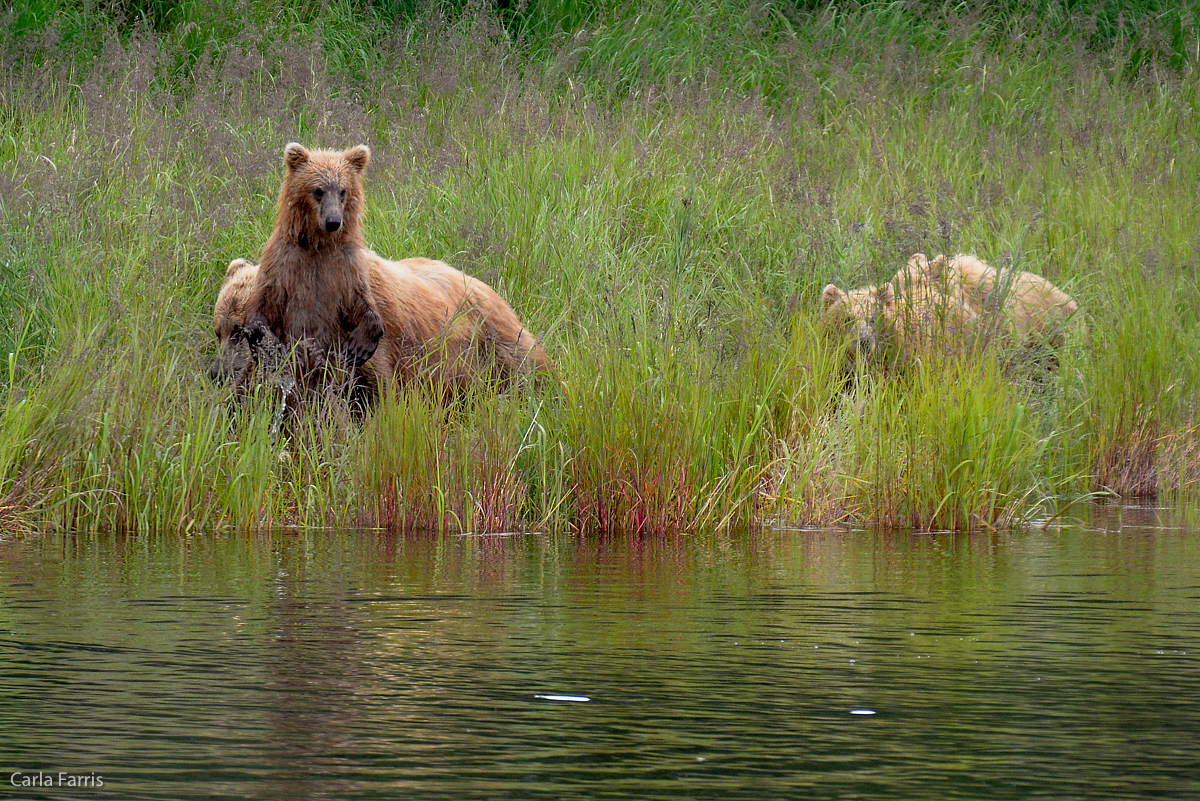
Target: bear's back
x: 456, y: 324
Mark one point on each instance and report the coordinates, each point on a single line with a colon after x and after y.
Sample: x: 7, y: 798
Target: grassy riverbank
x: 661, y: 198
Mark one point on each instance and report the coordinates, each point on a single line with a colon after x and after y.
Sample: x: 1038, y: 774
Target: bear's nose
x: 332, y: 224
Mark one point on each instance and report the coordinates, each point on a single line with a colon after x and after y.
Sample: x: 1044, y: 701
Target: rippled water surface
x: 1059, y: 664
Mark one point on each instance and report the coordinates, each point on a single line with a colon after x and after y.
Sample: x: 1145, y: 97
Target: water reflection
x: 1058, y: 663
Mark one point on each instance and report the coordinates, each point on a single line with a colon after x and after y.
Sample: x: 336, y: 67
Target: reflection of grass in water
x: 661, y: 198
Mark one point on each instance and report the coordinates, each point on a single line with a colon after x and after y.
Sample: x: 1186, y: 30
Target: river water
x: 1059, y: 664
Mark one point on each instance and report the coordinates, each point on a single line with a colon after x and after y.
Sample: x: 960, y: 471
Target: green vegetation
x: 661, y: 191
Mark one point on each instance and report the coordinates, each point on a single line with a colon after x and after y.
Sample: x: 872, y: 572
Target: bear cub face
x: 229, y: 317
x: 324, y: 189
x: 863, y: 314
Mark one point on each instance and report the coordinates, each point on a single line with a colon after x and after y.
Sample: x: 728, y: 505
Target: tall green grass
x: 660, y: 191
x: 952, y: 446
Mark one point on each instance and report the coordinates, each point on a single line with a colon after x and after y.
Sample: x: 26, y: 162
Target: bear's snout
x: 331, y: 215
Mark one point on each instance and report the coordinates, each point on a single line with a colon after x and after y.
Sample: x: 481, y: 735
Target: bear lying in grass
x: 930, y: 301
x: 443, y: 326
x: 1020, y: 304
x: 912, y: 318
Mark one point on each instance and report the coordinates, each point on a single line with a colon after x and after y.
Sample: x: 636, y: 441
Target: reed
x: 951, y: 446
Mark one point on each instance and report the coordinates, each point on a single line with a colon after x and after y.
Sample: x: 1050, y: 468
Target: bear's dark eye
x: 318, y: 193
x: 343, y: 195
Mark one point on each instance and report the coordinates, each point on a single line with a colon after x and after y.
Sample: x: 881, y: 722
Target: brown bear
x: 313, y: 280
x: 918, y: 271
x: 445, y: 326
x: 914, y: 317
x: 439, y: 324
x: 236, y: 357
x: 856, y: 313
x: 235, y: 362
x: 1020, y: 304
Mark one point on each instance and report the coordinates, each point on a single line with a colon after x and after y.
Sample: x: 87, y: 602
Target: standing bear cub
x: 313, y: 280
x: 235, y: 361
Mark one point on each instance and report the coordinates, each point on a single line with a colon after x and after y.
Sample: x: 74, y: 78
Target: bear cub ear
x: 236, y: 266
x: 831, y: 294
x: 295, y: 155
x: 358, y: 157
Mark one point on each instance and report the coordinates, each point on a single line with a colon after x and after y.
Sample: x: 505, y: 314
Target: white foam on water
x: 862, y: 711
x: 575, y: 698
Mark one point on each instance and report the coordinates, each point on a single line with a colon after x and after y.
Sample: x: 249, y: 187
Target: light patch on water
x: 862, y: 711
x: 576, y: 698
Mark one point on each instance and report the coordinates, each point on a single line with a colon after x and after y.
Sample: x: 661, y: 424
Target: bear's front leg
x: 265, y: 347
x: 360, y: 344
